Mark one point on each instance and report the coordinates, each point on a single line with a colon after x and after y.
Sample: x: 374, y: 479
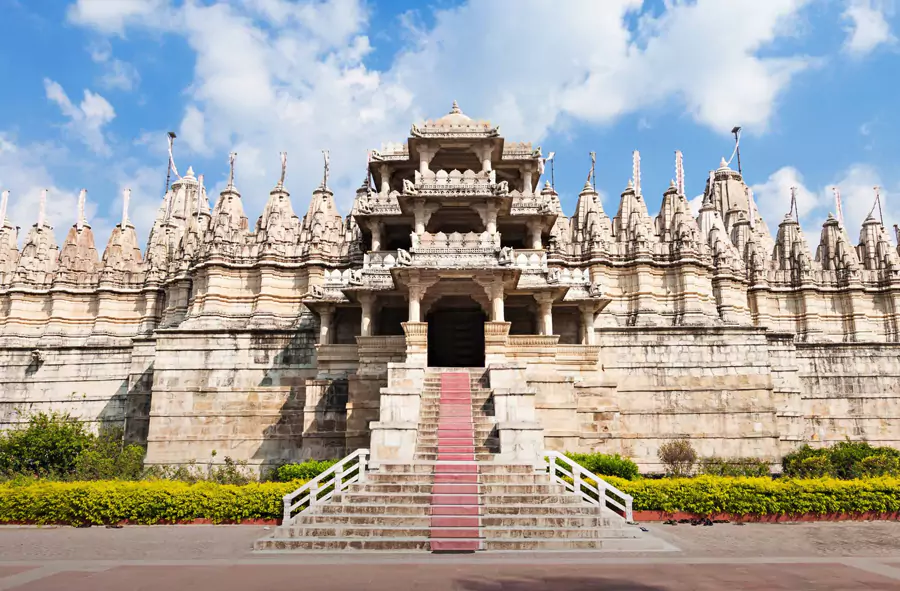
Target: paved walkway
x: 827, y: 556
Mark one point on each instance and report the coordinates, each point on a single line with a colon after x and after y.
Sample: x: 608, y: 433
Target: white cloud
x: 118, y: 74
x: 86, y: 119
x: 112, y: 16
x: 867, y: 26
x: 856, y: 185
x: 23, y: 170
x: 272, y: 75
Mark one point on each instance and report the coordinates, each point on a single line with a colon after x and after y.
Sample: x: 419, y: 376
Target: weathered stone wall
x: 713, y: 386
x: 90, y: 384
x: 243, y: 395
x: 850, y: 390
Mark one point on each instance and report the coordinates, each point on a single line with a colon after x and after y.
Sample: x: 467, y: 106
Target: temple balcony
x: 427, y: 242
x: 455, y: 184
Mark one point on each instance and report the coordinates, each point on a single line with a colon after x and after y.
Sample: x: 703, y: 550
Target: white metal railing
x: 324, y: 486
x: 581, y: 484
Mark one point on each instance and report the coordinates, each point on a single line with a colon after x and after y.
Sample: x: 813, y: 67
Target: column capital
x: 544, y: 297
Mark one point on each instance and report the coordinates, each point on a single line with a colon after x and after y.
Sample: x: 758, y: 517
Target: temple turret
x: 122, y: 264
x: 632, y: 224
x: 835, y: 253
x: 78, y: 259
x: 322, y: 228
x: 228, y: 226
x: 875, y: 249
x: 590, y: 227
x: 791, y: 252
x: 40, y: 255
x: 9, y: 243
x: 278, y: 228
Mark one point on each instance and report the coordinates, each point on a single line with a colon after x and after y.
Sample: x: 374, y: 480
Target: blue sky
x: 91, y: 87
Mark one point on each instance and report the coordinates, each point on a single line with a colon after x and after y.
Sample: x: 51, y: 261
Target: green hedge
x: 148, y: 502
x: 706, y: 495
x: 97, y: 503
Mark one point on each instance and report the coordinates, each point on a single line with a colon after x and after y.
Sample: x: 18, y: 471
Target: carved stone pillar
x: 367, y: 302
x: 422, y: 212
x: 488, y: 214
x: 527, y: 173
x: 534, y: 235
x: 545, y: 304
x: 426, y: 153
x: 483, y: 152
x: 494, y: 291
x: 376, y: 227
x: 385, y: 179
x: 587, y: 324
x: 326, y: 316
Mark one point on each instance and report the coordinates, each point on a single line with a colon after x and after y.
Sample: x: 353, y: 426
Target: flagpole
x: 169, y: 168
x: 552, y: 177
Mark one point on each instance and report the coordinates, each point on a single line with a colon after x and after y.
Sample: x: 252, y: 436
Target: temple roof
x: 455, y: 124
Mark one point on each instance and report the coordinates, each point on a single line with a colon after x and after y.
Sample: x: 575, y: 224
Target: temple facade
x: 310, y: 337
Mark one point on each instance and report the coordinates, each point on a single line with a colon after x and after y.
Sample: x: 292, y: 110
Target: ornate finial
x: 636, y: 171
x: 79, y: 223
x: 190, y: 172
x: 679, y: 172
x: 591, y: 174
x: 200, y: 190
x: 126, y: 198
x: 672, y: 183
x: 838, y: 205
x: 723, y: 164
x: 283, y: 156
x: 42, y: 209
x: 231, y: 158
x: 455, y: 109
x: 327, y: 158
x: 4, y: 202
x: 171, y: 157
x: 630, y: 184
x: 877, y: 204
x: 793, y: 213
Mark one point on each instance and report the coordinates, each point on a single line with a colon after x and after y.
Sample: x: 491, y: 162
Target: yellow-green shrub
x: 146, y: 502
x: 705, y: 495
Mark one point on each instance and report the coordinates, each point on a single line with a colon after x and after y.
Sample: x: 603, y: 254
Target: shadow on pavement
x: 554, y: 584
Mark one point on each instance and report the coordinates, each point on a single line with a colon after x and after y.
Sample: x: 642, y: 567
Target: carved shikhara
x: 270, y: 343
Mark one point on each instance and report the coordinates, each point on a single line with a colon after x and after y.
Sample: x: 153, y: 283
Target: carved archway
x: 456, y: 332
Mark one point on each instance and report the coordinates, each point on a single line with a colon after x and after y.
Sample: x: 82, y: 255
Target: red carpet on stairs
x: 455, y: 515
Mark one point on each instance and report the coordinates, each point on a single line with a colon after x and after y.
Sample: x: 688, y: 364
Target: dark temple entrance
x: 456, y: 333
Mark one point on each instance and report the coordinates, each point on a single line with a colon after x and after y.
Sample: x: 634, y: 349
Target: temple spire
x: 126, y: 197
x: 82, y: 196
x: 751, y: 209
x: 455, y: 108
x: 42, y: 209
x: 679, y: 172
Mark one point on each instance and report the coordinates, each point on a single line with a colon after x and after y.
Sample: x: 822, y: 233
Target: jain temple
x: 314, y: 335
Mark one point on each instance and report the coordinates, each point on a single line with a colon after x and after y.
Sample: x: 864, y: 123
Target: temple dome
x: 455, y: 118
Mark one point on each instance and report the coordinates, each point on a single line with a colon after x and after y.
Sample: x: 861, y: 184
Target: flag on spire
x: 679, y: 172
x: 79, y: 223
x: 839, y: 210
x: 4, y: 202
x: 126, y: 197
x: 636, y: 171
x: 42, y: 209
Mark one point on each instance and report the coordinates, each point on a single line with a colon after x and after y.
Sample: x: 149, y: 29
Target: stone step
x: 485, y: 521
x: 333, y: 544
x: 459, y: 488
x: 358, y: 531
x: 423, y: 478
x: 390, y: 507
x: 433, y: 457
x: 614, y: 544
x: 545, y: 533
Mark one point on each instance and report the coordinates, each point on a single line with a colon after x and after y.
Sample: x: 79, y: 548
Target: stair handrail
x: 581, y: 486
x: 332, y: 478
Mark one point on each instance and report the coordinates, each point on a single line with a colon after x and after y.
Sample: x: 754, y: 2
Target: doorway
x: 456, y: 333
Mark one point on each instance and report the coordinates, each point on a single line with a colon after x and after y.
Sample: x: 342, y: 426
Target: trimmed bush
x: 98, y: 503
x: 707, y: 495
x: 734, y: 467
x: 841, y: 460
x: 606, y: 465
x: 304, y: 471
x: 678, y: 456
x: 161, y: 501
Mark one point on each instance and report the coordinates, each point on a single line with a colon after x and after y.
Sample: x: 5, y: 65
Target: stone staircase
x: 453, y: 498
